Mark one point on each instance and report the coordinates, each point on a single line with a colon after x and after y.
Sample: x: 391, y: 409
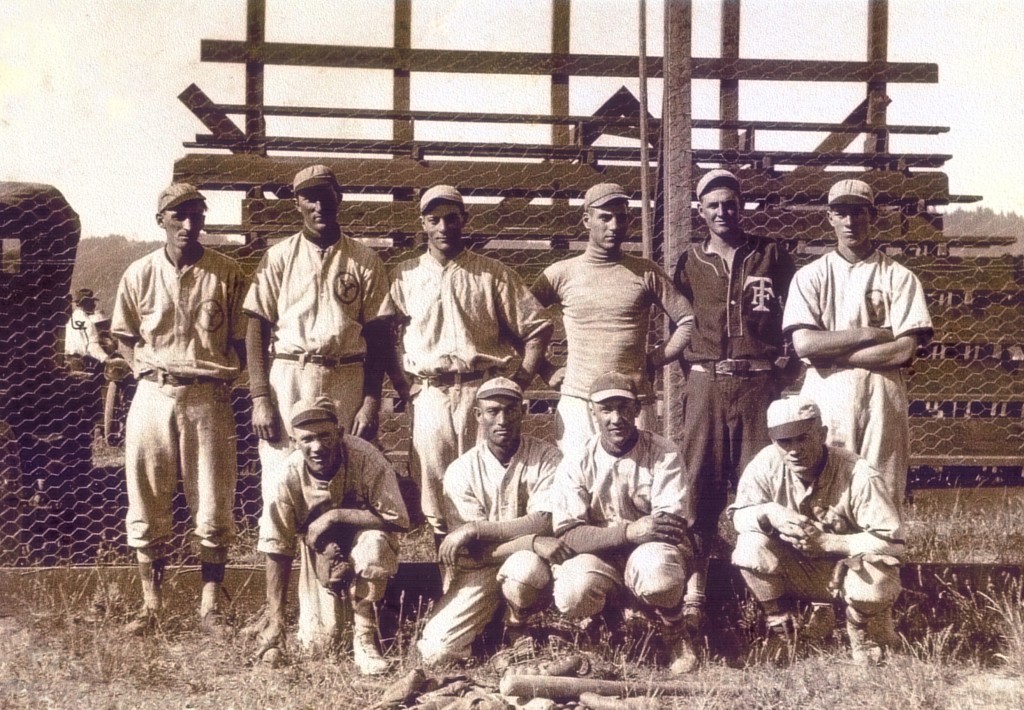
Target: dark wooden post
x: 729, y: 89
x: 255, y: 35
x: 402, y: 130
x: 561, y: 13
x: 677, y: 121
x: 878, y: 53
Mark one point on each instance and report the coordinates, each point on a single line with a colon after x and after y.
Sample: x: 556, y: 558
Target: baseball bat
x: 565, y: 688
x: 592, y: 701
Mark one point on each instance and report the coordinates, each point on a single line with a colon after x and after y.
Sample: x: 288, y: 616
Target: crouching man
x: 338, y: 506
x: 623, y: 503
x: 817, y: 522
x: 501, y: 545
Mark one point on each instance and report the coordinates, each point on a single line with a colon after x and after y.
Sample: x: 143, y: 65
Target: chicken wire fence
x: 523, y: 175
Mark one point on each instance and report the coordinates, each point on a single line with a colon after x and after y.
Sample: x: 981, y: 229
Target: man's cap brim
x: 791, y: 429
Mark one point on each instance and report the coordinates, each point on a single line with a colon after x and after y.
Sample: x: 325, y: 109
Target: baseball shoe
x: 214, y: 624
x: 683, y: 656
x: 364, y: 650
x: 779, y: 646
x: 144, y: 623
x: 819, y: 624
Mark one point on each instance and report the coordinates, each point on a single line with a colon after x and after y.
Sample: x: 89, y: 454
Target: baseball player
x: 338, y: 507
x: 857, y: 318
x: 466, y: 318
x: 315, y: 303
x: 501, y: 544
x: 736, y: 283
x: 623, y: 504
x: 817, y: 521
x: 606, y: 298
x: 180, y: 310
x: 81, y: 334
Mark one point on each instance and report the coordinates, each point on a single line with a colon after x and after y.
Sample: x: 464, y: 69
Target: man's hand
x: 812, y: 542
x: 367, y: 419
x: 788, y: 523
x: 454, y: 543
x: 551, y: 549
x: 556, y: 379
x: 663, y: 527
x: 264, y: 419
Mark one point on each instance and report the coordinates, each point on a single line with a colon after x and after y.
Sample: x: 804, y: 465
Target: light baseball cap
x: 851, y: 192
x: 603, y: 193
x: 499, y: 387
x: 792, y: 416
x: 314, y: 176
x: 440, y: 193
x: 177, y: 193
x: 308, y: 411
x: 717, y: 178
x: 611, y: 385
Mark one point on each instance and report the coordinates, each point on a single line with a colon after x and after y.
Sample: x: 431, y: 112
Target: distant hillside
x: 985, y: 222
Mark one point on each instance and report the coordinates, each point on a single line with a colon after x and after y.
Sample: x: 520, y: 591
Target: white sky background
x: 88, y: 88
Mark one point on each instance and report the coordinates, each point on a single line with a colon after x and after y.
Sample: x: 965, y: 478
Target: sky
x: 88, y: 88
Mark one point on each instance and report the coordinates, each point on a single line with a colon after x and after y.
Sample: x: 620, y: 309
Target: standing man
x: 817, y: 521
x: 623, y: 504
x: 606, y: 298
x: 338, y: 506
x: 501, y: 545
x: 857, y: 318
x: 82, y: 335
x: 180, y: 310
x: 315, y: 329
x: 737, y: 284
x: 466, y: 318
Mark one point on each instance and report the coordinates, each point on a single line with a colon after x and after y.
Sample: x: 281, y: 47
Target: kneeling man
x: 501, y: 545
x: 817, y: 521
x: 624, y: 504
x: 338, y: 506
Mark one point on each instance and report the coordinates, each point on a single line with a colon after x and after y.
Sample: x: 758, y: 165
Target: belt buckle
x: 735, y: 367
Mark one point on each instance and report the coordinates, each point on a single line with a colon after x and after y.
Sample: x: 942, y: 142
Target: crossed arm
x: 866, y: 347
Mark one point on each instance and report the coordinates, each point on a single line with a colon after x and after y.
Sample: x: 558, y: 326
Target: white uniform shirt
x: 81, y: 336
x: 184, y: 324
x: 464, y: 316
x: 831, y: 293
x: 318, y: 300
x: 479, y: 487
x: 848, y: 489
x: 365, y: 480
x: 606, y: 308
x: 593, y: 487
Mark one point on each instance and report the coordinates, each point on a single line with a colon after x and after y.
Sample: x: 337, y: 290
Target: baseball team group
x: 612, y: 516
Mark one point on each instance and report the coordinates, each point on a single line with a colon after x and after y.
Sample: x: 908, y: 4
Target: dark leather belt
x: 447, y: 379
x: 735, y: 368
x: 166, y: 378
x: 322, y: 360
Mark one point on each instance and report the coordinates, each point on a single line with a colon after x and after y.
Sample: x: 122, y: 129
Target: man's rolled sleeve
x: 384, y: 495
x: 570, y: 498
x: 463, y: 506
x: 261, y: 300
x: 672, y: 488
x: 802, y: 305
x: 541, y: 487
x: 125, y: 322
x: 669, y: 299
x: 277, y: 530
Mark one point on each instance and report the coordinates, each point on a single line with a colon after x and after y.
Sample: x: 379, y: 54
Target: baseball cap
x: 613, y: 384
x: 177, y: 193
x: 313, y: 176
x: 792, y: 416
x: 851, y: 192
x: 81, y: 294
x: 499, y: 387
x: 603, y: 193
x: 440, y: 193
x: 308, y: 411
x: 717, y: 178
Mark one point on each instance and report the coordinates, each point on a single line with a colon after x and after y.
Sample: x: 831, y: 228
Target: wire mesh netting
x: 523, y: 171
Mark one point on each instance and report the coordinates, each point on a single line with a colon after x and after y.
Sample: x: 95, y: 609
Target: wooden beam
x: 729, y: 89
x: 402, y: 129
x: 561, y: 14
x: 535, y: 63
x: 215, y: 119
x: 878, y: 51
x: 255, y: 34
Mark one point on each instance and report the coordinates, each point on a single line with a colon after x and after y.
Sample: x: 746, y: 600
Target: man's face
x: 616, y: 419
x: 318, y: 442
x: 318, y: 206
x: 803, y: 452
x: 443, y: 224
x: 183, y: 223
x: 852, y: 225
x: 720, y: 208
x: 500, y: 419
x: 608, y: 225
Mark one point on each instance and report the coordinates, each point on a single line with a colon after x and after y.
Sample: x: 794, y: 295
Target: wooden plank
x: 535, y: 63
x: 965, y: 442
x: 240, y: 172
x: 214, y: 118
x: 729, y: 89
x: 959, y: 380
x: 402, y: 129
x: 561, y: 14
x: 255, y: 31
x: 878, y: 51
x: 969, y: 324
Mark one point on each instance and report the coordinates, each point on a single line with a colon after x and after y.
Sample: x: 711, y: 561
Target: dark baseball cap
x: 308, y: 411
x: 611, y: 385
